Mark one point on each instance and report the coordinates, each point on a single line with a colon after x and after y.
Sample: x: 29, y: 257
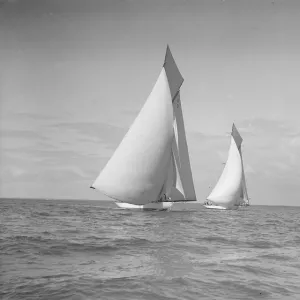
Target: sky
x: 75, y: 73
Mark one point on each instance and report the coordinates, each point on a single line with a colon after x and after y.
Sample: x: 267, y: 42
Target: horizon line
x: 111, y: 200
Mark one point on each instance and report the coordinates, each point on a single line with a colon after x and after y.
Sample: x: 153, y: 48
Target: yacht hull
x: 220, y: 207
x: 149, y: 206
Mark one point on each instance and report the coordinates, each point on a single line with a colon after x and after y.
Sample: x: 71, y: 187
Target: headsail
x: 139, y: 171
x: 181, y: 153
x: 245, y: 197
x: 238, y: 140
x: 229, y: 188
x: 179, y: 185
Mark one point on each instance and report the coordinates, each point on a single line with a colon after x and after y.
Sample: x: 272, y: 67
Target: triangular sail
x: 237, y: 137
x: 238, y: 140
x: 179, y: 185
x: 173, y: 187
x: 171, y: 178
x: 139, y: 171
x: 229, y: 188
x: 175, y: 79
x: 181, y: 154
x: 245, y: 197
x: 177, y: 191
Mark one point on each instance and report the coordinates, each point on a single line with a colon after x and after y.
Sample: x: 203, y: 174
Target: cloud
x: 280, y: 166
x: 56, y: 153
x: 39, y: 174
x: 33, y: 116
x: 248, y: 169
x: 266, y: 126
x: 21, y: 134
x: 222, y: 155
x: 271, y: 147
x: 295, y: 141
x: 8, y: 2
x: 61, y: 142
x: 14, y: 171
x: 93, y: 131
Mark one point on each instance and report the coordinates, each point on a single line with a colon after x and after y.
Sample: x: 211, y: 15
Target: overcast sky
x: 75, y: 73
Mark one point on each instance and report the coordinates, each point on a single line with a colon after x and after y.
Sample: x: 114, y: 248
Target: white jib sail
x: 137, y: 171
x: 227, y: 191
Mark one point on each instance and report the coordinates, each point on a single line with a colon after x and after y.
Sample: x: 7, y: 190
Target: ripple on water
x: 89, y: 250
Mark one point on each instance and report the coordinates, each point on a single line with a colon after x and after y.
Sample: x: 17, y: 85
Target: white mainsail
x: 231, y: 187
x: 149, y: 161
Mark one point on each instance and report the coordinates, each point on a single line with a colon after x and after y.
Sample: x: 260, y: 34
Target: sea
x: 71, y: 249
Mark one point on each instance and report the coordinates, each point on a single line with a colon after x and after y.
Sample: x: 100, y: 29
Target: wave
x: 83, y: 250
x: 38, y: 214
x: 263, y: 244
x: 47, y: 246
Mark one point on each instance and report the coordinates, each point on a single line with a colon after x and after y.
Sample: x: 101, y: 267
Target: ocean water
x: 53, y: 249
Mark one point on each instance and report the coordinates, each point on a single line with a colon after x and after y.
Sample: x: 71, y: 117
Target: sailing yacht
x: 230, y: 190
x: 150, y: 169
